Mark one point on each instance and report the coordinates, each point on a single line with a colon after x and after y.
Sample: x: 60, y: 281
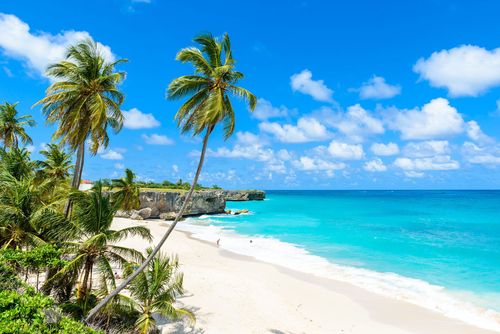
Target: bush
x: 34, y: 313
x: 38, y: 258
x: 8, y: 278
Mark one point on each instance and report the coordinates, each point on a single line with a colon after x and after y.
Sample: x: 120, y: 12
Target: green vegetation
x: 179, y: 185
x: 59, y: 256
x: 126, y: 191
x: 12, y: 126
x: 208, y: 104
x: 29, y: 312
x: 49, y: 262
x: 24, y: 311
x: 154, y: 291
x: 84, y: 101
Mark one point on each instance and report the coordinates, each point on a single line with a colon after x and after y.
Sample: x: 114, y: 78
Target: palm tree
x: 17, y: 162
x: 25, y: 212
x: 56, y: 166
x: 155, y: 290
x: 128, y: 191
x: 95, y: 240
x: 12, y: 126
x: 84, y: 101
x: 208, y: 105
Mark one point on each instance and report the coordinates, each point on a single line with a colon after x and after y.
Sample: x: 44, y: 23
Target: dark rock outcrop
x: 243, y: 195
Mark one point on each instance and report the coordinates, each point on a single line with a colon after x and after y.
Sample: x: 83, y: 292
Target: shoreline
x: 276, y: 299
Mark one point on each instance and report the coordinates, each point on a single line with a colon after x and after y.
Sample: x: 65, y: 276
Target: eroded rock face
x: 243, y: 195
x: 165, y: 204
x: 168, y: 202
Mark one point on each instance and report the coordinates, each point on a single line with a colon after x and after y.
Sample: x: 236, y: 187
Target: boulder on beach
x: 168, y: 215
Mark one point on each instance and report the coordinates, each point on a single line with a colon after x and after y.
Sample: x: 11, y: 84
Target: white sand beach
x: 230, y: 293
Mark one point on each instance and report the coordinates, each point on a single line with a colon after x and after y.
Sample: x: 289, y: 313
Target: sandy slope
x: 234, y: 294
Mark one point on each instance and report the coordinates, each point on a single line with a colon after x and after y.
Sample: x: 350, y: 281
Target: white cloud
x: 37, y: 50
x: 441, y: 162
x: 248, y: 138
x: 265, y: 110
x: 175, y: 169
x: 377, y: 88
x: 436, y: 119
x: 382, y: 149
x: 249, y: 146
x: 307, y: 129
x: 355, y: 124
x: 311, y: 164
x: 251, y: 151
x: 428, y: 148
x: 111, y: 155
x: 303, y: 82
x: 481, y: 155
x: 346, y: 151
x: 156, y: 139
x: 119, y: 165
x: 284, y: 154
x: 475, y: 133
x: 467, y: 70
x: 413, y: 174
x: 136, y: 119
x: 375, y: 165
x: 485, y: 159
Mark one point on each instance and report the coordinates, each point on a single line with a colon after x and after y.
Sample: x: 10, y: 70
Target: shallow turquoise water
x: 447, y: 238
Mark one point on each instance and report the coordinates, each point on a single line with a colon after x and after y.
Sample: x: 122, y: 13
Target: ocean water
x: 436, y: 249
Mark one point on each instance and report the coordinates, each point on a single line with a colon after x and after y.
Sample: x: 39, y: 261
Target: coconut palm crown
x: 84, y: 100
x: 215, y: 77
x: 126, y: 191
x: 12, y: 126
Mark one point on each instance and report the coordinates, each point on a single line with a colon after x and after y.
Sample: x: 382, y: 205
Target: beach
x: 231, y: 293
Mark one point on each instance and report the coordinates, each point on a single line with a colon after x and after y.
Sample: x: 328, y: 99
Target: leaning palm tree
x: 155, y: 290
x: 12, y: 126
x: 208, y: 105
x: 127, y: 191
x: 84, y: 101
x: 95, y: 241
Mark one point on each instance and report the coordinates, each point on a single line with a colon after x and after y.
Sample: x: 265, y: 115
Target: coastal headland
x: 164, y: 204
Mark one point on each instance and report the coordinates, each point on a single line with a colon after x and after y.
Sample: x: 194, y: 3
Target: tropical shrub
x: 155, y: 290
x: 29, y: 312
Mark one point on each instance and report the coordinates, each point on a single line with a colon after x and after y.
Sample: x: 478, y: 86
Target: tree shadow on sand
x: 179, y: 327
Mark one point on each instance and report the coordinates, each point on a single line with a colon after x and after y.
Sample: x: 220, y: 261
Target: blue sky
x: 352, y: 94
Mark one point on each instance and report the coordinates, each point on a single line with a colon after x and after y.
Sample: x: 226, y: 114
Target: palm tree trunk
x: 83, y: 287
x: 77, y: 175
x: 126, y: 281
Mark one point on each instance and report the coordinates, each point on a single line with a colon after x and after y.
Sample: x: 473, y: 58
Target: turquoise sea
x: 437, y: 249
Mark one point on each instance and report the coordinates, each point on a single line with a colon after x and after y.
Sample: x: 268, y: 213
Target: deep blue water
x: 447, y: 238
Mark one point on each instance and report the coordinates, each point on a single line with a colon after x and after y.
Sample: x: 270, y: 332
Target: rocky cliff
x: 202, y: 202
x: 243, y: 195
x: 165, y: 204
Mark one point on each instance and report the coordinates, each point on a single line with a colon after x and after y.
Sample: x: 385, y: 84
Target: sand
x: 230, y: 293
